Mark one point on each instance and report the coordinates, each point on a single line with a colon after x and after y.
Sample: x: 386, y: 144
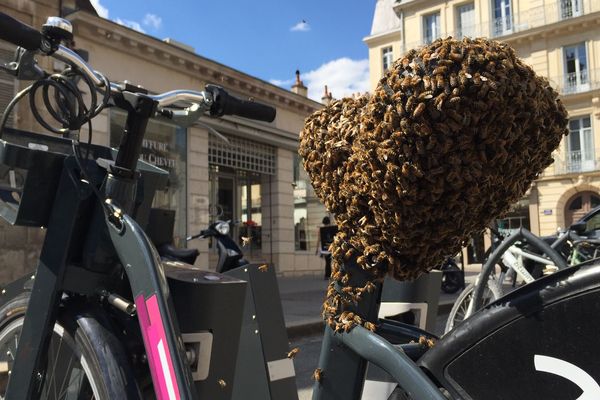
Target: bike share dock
x: 302, y: 297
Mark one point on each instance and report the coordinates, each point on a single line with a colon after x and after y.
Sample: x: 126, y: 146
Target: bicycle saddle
x: 537, y: 342
x: 174, y: 253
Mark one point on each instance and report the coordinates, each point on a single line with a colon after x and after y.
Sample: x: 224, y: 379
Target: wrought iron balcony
x: 575, y: 161
x: 577, y: 82
x: 517, y: 22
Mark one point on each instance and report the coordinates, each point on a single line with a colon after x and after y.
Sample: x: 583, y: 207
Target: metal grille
x: 242, y: 154
x: 7, y: 84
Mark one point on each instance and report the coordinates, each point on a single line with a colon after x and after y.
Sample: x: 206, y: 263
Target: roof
x: 384, y: 18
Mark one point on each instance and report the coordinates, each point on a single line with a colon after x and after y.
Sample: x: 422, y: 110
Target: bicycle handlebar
x: 18, y: 33
x: 224, y: 104
x: 214, y: 99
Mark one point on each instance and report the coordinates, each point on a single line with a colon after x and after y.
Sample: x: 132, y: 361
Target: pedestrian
x: 325, y: 238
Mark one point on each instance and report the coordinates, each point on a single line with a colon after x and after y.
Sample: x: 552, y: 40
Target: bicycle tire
x: 461, y: 304
x: 94, y: 351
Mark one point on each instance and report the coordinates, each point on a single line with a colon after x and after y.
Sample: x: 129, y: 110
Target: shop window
x: 517, y: 217
x: 165, y: 146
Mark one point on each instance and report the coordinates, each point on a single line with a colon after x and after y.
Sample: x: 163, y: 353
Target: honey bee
x: 419, y: 110
x: 317, y: 375
x: 263, y: 267
x: 370, y: 326
x: 292, y: 353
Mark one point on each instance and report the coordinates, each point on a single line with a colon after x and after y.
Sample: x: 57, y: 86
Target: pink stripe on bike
x: 159, y: 356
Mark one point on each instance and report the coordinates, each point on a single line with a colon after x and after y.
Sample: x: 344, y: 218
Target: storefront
x: 252, y: 179
x: 164, y: 145
x: 240, y: 176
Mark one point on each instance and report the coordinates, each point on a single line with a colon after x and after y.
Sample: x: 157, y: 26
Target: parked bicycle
x: 522, y: 262
x: 104, y: 318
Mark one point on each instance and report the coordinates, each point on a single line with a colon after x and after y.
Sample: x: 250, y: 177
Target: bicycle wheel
x: 85, y: 360
x: 459, y: 309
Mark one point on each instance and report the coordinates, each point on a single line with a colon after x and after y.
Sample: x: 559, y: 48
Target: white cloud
x: 282, y: 83
x: 130, y: 24
x: 100, y: 9
x: 343, y: 77
x: 152, y: 20
x: 301, y: 26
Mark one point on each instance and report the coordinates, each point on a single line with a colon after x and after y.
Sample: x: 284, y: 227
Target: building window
x: 387, y: 58
x: 580, y: 145
x: 570, y: 8
x: 164, y: 145
x: 465, y: 23
x: 502, y: 22
x: 431, y: 27
x: 576, y: 68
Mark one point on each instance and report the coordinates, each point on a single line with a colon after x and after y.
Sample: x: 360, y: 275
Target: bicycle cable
x: 69, y: 109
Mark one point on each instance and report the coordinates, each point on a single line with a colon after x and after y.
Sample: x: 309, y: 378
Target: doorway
x: 579, y: 205
x: 236, y: 196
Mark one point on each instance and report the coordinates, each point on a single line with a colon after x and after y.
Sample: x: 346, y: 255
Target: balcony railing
x: 574, y: 162
x: 502, y: 26
x: 577, y: 82
x: 518, y: 22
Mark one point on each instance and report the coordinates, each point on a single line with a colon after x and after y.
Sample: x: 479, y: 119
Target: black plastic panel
x: 491, y: 355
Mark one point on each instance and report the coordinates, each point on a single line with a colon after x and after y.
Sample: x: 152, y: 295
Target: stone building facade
x: 560, y: 39
x: 255, y: 180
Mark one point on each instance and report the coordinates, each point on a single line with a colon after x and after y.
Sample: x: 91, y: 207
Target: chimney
x: 299, y: 87
x: 327, y: 97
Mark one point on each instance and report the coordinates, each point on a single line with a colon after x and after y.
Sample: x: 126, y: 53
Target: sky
x: 267, y: 39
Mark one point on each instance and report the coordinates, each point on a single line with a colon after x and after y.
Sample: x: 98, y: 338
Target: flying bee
x: 292, y: 353
x: 246, y: 240
x: 263, y: 268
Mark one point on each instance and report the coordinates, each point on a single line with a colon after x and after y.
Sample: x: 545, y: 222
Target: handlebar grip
x: 226, y: 104
x: 18, y: 33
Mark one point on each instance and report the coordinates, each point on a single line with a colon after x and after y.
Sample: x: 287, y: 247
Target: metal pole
x: 343, y: 371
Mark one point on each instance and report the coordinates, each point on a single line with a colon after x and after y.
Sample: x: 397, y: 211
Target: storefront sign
x: 157, y: 153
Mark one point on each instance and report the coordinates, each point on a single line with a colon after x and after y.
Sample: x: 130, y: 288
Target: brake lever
x: 24, y: 67
x: 189, y: 116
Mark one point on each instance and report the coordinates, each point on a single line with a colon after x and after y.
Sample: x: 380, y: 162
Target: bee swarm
x: 454, y: 133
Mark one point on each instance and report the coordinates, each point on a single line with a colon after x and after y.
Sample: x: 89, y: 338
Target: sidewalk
x: 302, y: 297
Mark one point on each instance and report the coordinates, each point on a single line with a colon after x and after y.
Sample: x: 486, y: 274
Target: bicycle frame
x: 504, y: 247
x: 162, y: 340
x: 344, y: 355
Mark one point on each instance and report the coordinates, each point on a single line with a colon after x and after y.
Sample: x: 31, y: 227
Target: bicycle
x: 572, y: 247
x: 104, y: 318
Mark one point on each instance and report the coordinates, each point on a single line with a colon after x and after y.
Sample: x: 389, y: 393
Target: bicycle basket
x: 30, y: 168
